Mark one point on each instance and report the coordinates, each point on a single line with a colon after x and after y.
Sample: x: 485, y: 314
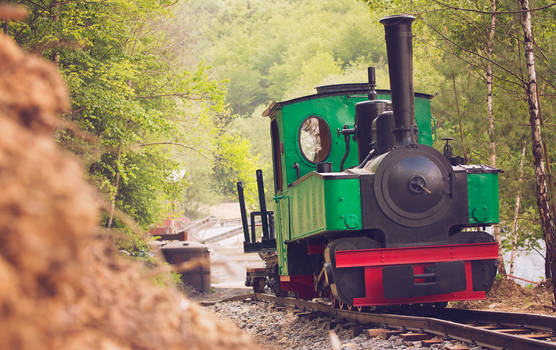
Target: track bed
x: 442, y: 328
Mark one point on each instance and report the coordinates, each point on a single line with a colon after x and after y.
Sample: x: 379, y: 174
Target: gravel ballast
x: 278, y: 327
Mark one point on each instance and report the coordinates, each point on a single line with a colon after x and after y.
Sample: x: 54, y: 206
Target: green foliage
x: 270, y: 50
x: 235, y: 163
x: 153, y: 118
x: 129, y: 241
x: 170, y: 279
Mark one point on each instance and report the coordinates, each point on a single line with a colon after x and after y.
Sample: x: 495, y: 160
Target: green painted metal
x: 308, y: 207
x: 315, y: 205
x: 318, y: 205
x: 343, y: 204
x: 337, y: 111
x: 482, y: 192
x: 282, y: 230
x: 423, y: 120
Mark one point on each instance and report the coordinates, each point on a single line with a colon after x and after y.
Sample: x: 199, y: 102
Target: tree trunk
x: 550, y: 179
x: 543, y: 203
x: 549, y: 257
x: 6, y: 24
x: 517, y: 205
x: 490, y: 114
x: 54, y: 12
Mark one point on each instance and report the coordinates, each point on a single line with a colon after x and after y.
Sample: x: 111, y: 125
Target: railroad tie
x: 415, y: 336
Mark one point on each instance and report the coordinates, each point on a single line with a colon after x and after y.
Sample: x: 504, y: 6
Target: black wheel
x: 484, y: 271
x: 349, y: 282
x: 259, y: 284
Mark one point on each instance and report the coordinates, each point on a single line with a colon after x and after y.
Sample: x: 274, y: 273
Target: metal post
x: 243, y: 211
x: 253, y: 228
x: 271, y: 224
x: 262, y: 203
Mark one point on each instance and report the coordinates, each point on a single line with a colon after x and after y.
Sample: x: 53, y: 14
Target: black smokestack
x: 400, y: 67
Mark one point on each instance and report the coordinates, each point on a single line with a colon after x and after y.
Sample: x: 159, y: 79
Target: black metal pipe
x: 243, y: 212
x: 400, y: 69
x: 385, y: 139
x: 253, y: 227
x: 262, y: 203
x: 372, y: 83
x: 324, y: 167
x: 271, y: 224
x: 365, y: 113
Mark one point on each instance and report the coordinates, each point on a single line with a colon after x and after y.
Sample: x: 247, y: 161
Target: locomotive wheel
x: 258, y: 286
x: 359, y: 308
x: 349, y: 282
x: 350, y: 307
x: 273, y: 277
x: 484, y: 271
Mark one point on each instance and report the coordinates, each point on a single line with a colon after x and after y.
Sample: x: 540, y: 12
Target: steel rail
x: 470, y: 334
x: 524, y: 320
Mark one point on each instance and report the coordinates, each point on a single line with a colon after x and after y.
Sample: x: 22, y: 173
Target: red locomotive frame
x: 374, y: 260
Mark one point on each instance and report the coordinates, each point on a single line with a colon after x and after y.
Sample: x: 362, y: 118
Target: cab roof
x: 333, y: 90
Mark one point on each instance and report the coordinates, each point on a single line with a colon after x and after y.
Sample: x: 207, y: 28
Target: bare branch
x: 477, y: 66
x: 182, y: 95
x: 35, y: 4
x: 493, y: 12
x: 471, y: 52
x: 176, y: 144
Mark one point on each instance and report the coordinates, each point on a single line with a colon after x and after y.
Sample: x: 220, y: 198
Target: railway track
x: 494, y: 330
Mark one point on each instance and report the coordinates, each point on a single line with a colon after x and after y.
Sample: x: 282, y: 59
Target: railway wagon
x: 367, y: 212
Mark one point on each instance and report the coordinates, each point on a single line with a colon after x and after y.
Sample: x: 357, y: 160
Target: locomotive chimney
x: 400, y: 66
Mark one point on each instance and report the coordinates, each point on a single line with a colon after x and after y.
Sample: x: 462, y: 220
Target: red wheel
x: 359, y: 308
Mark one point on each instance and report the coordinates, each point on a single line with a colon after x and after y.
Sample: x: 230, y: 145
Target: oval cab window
x: 314, y: 139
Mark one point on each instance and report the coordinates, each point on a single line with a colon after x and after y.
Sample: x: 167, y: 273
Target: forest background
x: 167, y: 95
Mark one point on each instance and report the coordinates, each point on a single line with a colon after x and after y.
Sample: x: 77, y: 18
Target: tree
x: 546, y: 212
x: 517, y: 206
x: 275, y: 50
x: 135, y: 105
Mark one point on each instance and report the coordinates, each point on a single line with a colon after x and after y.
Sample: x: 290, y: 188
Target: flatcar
x: 367, y: 212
